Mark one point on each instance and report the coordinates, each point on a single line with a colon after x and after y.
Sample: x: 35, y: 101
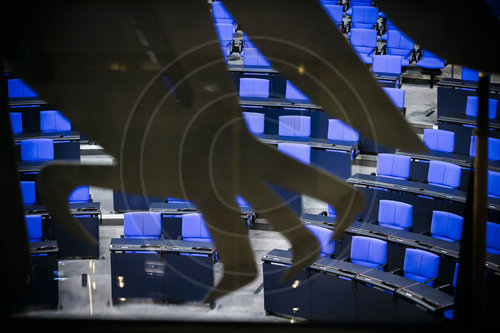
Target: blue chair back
x: 364, y: 17
x: 16, y: 122
x: 364, y: 42
x: 492, y: 238
x: 439, y: 140
x: 472, y: 107
x: 18, y: 89
x: 393, y: 165
x: 493, y: 148
x: 220, y: 13
x: 335, y: 12
x: 144, y: 225
x: 338, y: 130
x: 298, y: 151
x: 37, y: 150
x: 446, y: 226
x: 28, y: 192
x: 421, y: 266
x: 34, y: 227
x: 395, y: 214
x: 299, y: 126
x: 331, y: 211
x: 493, y: 188
x: 396, y: 95
x: 430, y: 60
x: 194, y: 228
x: 292, y: 92
x: 80, y: 194
x: 444, y: 174
x: 324, y: 236
x: 253, y: 87
x: 54, y: 121
x: 255, y: 121
x: 386, y: 64
x: 369, y: 252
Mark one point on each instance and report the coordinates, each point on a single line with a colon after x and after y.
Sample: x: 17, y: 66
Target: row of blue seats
x: 37, y: 150
x: 50, y: 121
x: 80, y: 194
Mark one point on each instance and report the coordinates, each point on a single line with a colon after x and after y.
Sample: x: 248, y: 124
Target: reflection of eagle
x: 104, y: 64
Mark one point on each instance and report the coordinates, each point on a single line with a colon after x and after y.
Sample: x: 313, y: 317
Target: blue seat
x: 37, y: 150
x: 225, y: 33
x: 34, y: 227
x: 253, y: 87
x: 446, y: 226
x: 398, y: 44
x: 386, y: 65
x: 492, y: 238
x: 330, y: 211
x: 255, y: 121
x: 16, y: 122
x: 292, y: 92
x: 80, y: 194
x: 472, y: 107
x: 176, y: 200
x: 430, y: 61
x: 421, y: 266
x: 469, y: 74
x: 439, y: 140
x: 363, y: 17
x: 396, y: 95
x: 144, y: 225
x: 220, y: 13
x: 324, y: 236
x: 354, y: 3
x: 299, y: 126
x: 368, y: 252
x: 364, y: 43
x: 252, y: 55
x: 493, y: 184
x: 18, y: 89
x: 335, y: 12
x: 493, y: 148
x: 338, y: 130
x: 28, y: 192
x: 395, y: 214
x: 444, y: 174
x: 298, y: 151
x: 54, y: 121
x: 194, y: 228
x: 393, y: 166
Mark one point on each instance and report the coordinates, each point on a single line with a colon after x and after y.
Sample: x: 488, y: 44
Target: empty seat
x: 176, y: 200
x: 37, y: 150
x: 364, y: 17
x: 492, y: 238
x: 400, y: 45
x: 16, y: 122
x: 34, y: 227
x: 444, y: 174
x: 18, y: 89
x: 252, y: 55
x: 338, y: 130
x: 298, y: 151
x: 324, y: 236
x: 225, y: 32
x: 220, y: 13
x: 292, y: 92
x: 421, y: 266
x: 430, y: 61
x: 493, y: 148
x: 395, y: 214
x: 253, y: 87
x: 472, y: 107
x: 294, y: 126
x: 28, y: 192
x: 469, y: 74
x: 369, y: 252
x: 393, y: 165
x: 396, y: 95
x: 364, y: 42
x: 80, y: 194
x: 386, y: 65
x: 335, y: 12
x: 330, y: 211
x: 493, y: 184
x: 255, y: 121
x: 439, y: 140
x: 145, y: 225
x: 241, y: 202
x: 194, y: 228
x: 446, y: 226
x: 54, y: 121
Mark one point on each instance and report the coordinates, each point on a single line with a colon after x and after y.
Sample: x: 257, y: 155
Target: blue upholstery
x: 292, y: 92
x: 446, y: 226
x: 338, y: 130
x: 399, y: 44
x: 37, y: 150
x: 369, y: 252
x: 254, y: 121
x: 54, y: 121
x: 364, y: 17
x: 80, y: 194
x: 448, y: 314
x: 386, y: 65
x: 16, y: 122
x: 145, y: 225
x: 298, y: 151
x: 396, y: 95
x: 324, y: 236
x: 493, y: 148
x: 225, y: 32
x: 252, y: 87
x: 393, y: 166
x: 194, y: 228
x: 335, y: 12
x: 354, y: 3
x: 430, y: 60
x: 492, y: 238
x: 18, y: 89
x: 469, y: 74
x: 493, y: 184
x: 364, y: 42
x: 252, y: 55
x: 34, y: 227
x: 28, y: 192
x: 421, y: 266
x: 444, y: 174
x: 395, y: 214
x: 220, y: 13
x: 330, y: 211
x: 299, y: 126
x: 472, y: 107
x: 176, y: 200
x: 439, y: 140
x: 241, y: 202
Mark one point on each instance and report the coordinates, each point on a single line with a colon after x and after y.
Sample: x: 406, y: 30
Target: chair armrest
x: 397, y: 270
x: 427, y: 281
x: 443, y: 286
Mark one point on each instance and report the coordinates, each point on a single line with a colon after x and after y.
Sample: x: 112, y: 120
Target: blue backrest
x: 446, y: 226
x: 395, y: 214
x: 335, y: 12
x: 472, y: 107
x: 80, y: 194
x: 194, y: 228
x: 292, y: 92
x: 324, y: 236
x: 421, y: 265
x: 439, y: 140
x: 386, y: 64
x: 469, y: 74
x: 18, y: 89
x: 393, y: 165
x: 28, y: 192
x: 241, y: 202
x: 444, y: 174
x: 338, y: 130
x: 331, y: 211
x: 253, y: 87
x: 396, y: 95
x: 252, y: 55
x: 255, y: 121
x: 364, y: 40
x: 37, y: 150
x: 493, y: 148
x: 145, y: 225
x: 369, y: 252
x: 492, y: 238
x: 54, y: 121
x: 34, y: 227
x: 493, y: 184
x: 363, y: 17
x: 298, y: 151
x: 225, y: 32
x: 220, y: 13
x: 398, y: 40
x: 16, y: 122
x: 299, y: 126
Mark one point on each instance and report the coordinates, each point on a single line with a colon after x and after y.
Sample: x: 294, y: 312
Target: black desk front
x: 459, y: 84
